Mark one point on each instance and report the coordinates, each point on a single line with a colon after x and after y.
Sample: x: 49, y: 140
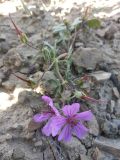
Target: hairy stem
x: 58, y: 72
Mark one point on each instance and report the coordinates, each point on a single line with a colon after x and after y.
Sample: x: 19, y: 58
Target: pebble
x: 79, y: 44
x: 109, y: 129
x: 116, y: 92
x: 34, y: 150
x: 111, y: 146
x: 87, y: 58
x: 117, y: 109
x: 111, y: 106
x: 111, y: 30
x: 94, y: 127
x: 8, y: 85
x: 101, y: 75
x: 18, y: 154
x: 101, y: 33
x: 34, y: 139
x: 37, y: 144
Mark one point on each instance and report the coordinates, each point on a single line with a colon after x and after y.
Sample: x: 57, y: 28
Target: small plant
x: 67, y: 121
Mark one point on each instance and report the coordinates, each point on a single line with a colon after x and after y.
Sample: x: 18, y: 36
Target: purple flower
x: 71, y: 123
x: 47, y: 115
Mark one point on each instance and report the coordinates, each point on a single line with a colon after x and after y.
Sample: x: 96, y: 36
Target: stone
x: 38, y: 144
x: 12, y: 59
x: 34, y: 150
x: 48, y: 154
x: 116, y: 92
x: 74, y: 148
x: 36, y: 39
x: 50, y: 82
x: 26, y: 51
x: 117, y: 122
x: 100, y: 155
x: 87, y: 141
x: 87, y: 58
x: 93, y: 126
x: 18, y: 154
x: 17, y: 81
x: 109, y: 129
x: 2, y: 75
x: 108, y: 116
x: 96, y: 154
x: 116, y: 45
x: 111, y: 106
x: 7, y: 156
x: 1, y: 62
x: 49, y: 75
x: 8, y: 85
x: 111, y: 146
x: 101, y: 32
x: 101, y: 75
x: 111, y: 30
x: 84, y: 157
x: 79, y: 44
x: 36, y: 76
x: 31, y: 99
x: 4, y: 47
x: 117, y: 109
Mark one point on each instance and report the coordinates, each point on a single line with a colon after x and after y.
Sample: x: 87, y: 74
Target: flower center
x: 72, y: 121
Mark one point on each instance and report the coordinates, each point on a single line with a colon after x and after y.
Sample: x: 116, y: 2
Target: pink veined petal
x: 57, y: 123
x: 70, y: 110
x: 80, y: 130
x: 47, y: 129
x: 86, y: 116
x: 65, y: 134
x: 41, y: 117
x: 48, y: 100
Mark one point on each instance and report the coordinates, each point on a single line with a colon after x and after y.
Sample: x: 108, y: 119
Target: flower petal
x: 47, y: 129
x: 48, y: 100
x: 70, y: 110
x: 56, y: 112
x: 41, y: 117
x: 57, y: 122
x: 86, y: 116
x: 65, y: 133
x: 80, y: 130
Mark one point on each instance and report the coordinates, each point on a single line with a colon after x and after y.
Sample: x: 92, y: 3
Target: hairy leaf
x: 93, y: 23
x: 59, y: 28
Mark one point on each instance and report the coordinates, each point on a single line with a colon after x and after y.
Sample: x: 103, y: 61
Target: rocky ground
x: 97, y: 53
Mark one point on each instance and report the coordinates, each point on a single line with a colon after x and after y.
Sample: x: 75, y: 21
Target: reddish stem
x: 93, y: 100
x: 21, y: 78
x: 18, y: 31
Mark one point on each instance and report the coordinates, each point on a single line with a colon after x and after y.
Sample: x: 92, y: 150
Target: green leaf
x: 24, y: 38
x: 49, y: 52
x: 76, y: 24
x: 93, y: 23
x: 59, y: 28
x: 78, y: 94
x: 25, y: 7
